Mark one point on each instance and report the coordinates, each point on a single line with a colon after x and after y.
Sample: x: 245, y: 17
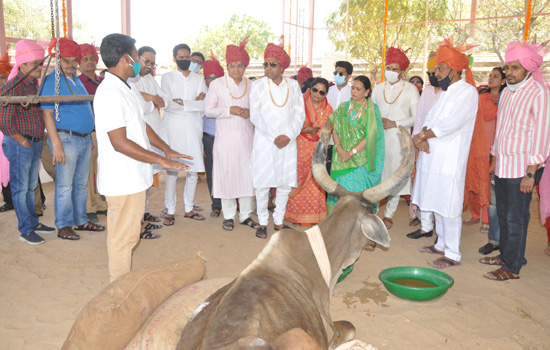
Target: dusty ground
x: 43, y: 287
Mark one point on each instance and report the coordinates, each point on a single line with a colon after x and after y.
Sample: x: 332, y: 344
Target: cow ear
x: 375, y: 230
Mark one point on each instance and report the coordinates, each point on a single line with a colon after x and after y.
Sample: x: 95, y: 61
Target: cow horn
x: 318, y: 165
x: 396, y: 181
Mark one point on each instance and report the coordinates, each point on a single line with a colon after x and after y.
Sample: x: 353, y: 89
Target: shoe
x: 41, y: 228
x: 101, y: 212
x: 31, y: 238
x: 488, y: 249
x: 92, y: 217
x: 418, y: 233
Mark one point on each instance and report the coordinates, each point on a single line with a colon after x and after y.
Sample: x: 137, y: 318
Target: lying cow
x: 281, y: 300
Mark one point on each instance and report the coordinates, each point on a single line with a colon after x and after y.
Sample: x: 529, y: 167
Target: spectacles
x: 196, y: 61
x: 148, y: 62
x: 321, y: 92
x: 340, y: 73
x: 271, y: 64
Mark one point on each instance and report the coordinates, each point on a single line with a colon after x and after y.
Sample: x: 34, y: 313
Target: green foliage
x: 238, y: 27
x: 27, y: 19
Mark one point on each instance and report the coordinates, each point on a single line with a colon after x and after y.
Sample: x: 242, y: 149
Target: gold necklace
x: 287, y: 93
x: 355, y: 119
x: 390, y: 103
x: 245, y: 89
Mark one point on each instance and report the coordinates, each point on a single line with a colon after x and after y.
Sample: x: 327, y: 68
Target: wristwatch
x: 354, y: 151
x: 529, y: 175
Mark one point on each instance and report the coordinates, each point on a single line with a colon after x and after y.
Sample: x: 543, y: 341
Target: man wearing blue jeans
x: 23, y: 129
x: 69, y: 141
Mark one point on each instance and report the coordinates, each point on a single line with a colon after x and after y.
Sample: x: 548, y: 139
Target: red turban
x: 398, y: 56
x: 303, y: 74
x: 455, y: 58
x: 277, y: 51
x: 235, y: 53
x: 87, y: 49
x: 529, y: 56
x: 69, y: 48
x: 5, y: 66
x: 212, y: 66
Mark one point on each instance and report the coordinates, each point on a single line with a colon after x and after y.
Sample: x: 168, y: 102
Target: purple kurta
x: 234, y: 135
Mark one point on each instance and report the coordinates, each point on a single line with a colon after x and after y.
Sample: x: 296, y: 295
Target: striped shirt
x: 14, y: 118
x: 523, y: 129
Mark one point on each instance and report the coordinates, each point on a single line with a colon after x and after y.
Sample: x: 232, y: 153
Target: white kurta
x: 271, y: 166
x: 231, y: 176
x: 183, y: 124
x: 440, y: 174
x: 405, y: 97
x: 149, y: 85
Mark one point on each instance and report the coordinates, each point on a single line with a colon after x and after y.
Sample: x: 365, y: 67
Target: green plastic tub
x: 416, y: 283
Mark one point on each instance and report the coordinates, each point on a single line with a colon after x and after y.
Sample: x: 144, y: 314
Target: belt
x: 205, y: 134
x: 30, y: 138
x: 72, y: 132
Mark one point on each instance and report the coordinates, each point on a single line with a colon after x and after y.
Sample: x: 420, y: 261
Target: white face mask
x: 514, y: 87
x: 391, y: 76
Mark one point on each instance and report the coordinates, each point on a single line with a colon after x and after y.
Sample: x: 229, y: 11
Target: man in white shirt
x: 186, y: 91
x: 277, y: 112
x: 397, y: 101
x: 124, y: 155
x: 152, y: 101
x: 444, y: 145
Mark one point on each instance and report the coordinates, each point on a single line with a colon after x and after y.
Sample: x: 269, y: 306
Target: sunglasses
x: 271, y: 64
x: 321, y: 92
x: 339, y: 73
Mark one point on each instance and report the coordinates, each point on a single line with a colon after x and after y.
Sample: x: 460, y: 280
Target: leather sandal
x: 228, y: 224
x: 251, y: 223
x: 67, y: 233
x: 500, y: 275
x: 90, y: 226
x: 261, y: 232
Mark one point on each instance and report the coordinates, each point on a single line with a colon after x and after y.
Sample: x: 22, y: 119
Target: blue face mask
x: 136, y: 66
x: 193, y: 67
x: 339, y: 79
x: 445, y: 82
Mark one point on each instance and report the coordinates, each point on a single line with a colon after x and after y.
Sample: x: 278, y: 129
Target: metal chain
x: 57, y: 60
x: 53, y: 25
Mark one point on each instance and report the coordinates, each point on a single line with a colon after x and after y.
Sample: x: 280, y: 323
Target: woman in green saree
x: 358, y: 140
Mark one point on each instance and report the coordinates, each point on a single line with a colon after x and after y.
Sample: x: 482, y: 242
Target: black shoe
x: 488, y: 249
x: 418, y: 234
x: 101, y: 212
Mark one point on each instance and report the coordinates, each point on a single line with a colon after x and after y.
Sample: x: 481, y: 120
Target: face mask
x: 391, y: 76
x: 339, y: 79
x: 444, y: 84
x: 433, y: 81
x: 136, y: 66
x: 514, y: 87
x: 193, y: 67
x: 183, y: 64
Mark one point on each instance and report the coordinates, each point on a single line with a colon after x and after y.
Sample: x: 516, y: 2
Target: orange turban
x: 87, y: 49
x: 455, y: 58
x: 5, y: 66
x: 235, y: 53
x: 398, y: 56
x: 279, y: 53
x: 212, y: 66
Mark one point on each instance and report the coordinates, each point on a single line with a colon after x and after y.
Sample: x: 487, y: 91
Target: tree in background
x: 216, y: 38
x: 28, y: 19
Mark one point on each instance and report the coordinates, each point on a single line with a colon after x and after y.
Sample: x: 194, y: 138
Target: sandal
x: 250, y: 223
x: 446, y: 261
x: 90, y: 226
x: 484, y: 228
x: 387, y: 222
x: 169, y: 220
x: 261, y: 232
x: 414, y: 222
x: 67, y: 233
x: 471, y: 221
x: 501, y: 275
x: 430, y: 250
x: 163, y: 213
x: 5, y: 207
x: 148, y: 235
x: 228, y: 224
x: 215, y: 212
x: 197, y: 208
x: 150, y: 226
x: 194, y: 216
x: 150, y: 217
x: 491, y: 260
x: 280, y: 227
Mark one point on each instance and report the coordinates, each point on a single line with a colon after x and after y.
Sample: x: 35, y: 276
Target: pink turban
x: 235, y: 53
x: 303, y: 74
x: 455, y: 58
x: 212, y: 66
x: 26, y: 51
x: 397, y: 56
x: 277, y: 51
x: 529, y: 56
x: 87, y: 49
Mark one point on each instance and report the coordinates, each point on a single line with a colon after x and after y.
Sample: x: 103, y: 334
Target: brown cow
x: 281, y: 300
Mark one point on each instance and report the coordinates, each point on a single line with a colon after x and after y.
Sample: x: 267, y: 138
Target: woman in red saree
x: 307, y: 203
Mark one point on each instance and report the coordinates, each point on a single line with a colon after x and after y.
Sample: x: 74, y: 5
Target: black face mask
x: 433, y: 80
x: 445, y: 82
x: 183, y: 64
